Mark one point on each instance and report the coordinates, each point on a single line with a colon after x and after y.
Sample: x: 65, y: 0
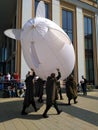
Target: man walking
x: 51, y: 87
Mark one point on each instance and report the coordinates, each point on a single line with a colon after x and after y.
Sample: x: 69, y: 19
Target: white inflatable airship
x: 45, y: 45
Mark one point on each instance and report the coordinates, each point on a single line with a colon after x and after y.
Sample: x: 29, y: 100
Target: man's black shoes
x: 24, y: 113
x: 45, y: 115
x: 59, y: 112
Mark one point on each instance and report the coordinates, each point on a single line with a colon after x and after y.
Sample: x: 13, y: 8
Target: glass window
x: 3, y: 53
x: 46, y: 8
x: 8, y: 66
x: 1, y: 67
x: 46, y: 12
x: 85, y: 26
x: 89, y: 26
x: 69, y: 14
x: 64, y: 22
x: 13, y: 65
x: 67, y: 22
x: 89, y: 49
x: 13, y: 45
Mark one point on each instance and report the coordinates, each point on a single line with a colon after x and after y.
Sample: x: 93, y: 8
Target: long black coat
x: 71, y: 89
x: 39, y: 87
x: 29, y: 94
x: 51, y: 86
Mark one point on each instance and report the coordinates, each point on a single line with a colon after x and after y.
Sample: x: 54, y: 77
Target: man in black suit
x: 51, y: 88
x: 29, y: 94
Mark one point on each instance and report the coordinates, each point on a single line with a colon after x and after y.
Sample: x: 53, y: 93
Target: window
x: 13, y: 65
x: 3, y: 54
x: 46, y: 8
x: 67, y: 22
x: 88, y: 37
x: 8, y: 66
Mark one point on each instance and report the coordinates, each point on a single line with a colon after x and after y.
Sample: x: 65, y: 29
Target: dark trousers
x: 33, y: 104
x: 48, y: 106
x: 60, y: 93
x: 84, y: 89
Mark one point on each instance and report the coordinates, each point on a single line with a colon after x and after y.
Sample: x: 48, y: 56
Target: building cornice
x: 83, y: 5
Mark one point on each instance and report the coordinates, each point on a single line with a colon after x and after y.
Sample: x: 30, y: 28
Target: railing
x: 5, y: 83
x: 12, y: 88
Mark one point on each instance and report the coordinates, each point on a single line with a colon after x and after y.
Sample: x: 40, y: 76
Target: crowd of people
x: 53, y: 88
x: 34, y: 87
x: 11, y: 84
x: 52, y: 85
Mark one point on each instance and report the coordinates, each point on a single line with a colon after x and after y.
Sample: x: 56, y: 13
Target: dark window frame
x: 88, y: 41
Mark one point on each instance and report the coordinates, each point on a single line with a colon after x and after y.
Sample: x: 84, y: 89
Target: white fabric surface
x: 45, y: 45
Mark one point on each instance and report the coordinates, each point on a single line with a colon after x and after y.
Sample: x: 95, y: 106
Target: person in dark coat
x: 40, y: 83
x: 83, y: 85
x: 29, y: 93
x: 71, y: 89
x: 59, y: 91
x: 51, y: 87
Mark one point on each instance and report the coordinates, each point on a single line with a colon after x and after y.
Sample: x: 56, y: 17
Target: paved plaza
x: 80, y: 116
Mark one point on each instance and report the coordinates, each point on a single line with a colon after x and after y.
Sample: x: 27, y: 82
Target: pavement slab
x: 80, y: 116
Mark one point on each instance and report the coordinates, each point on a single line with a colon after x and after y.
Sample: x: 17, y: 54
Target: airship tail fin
x: 13, y: 33
x: 40, y: 11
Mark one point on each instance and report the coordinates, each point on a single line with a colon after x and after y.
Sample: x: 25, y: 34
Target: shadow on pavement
x: 80, y: 113
x: 88, y: 96
x: 12, y: 109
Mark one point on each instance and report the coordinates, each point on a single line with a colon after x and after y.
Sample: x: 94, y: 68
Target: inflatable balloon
x: 46, y: 47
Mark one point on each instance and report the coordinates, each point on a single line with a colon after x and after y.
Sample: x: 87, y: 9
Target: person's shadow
x: 12, y: 109
x: 80, y: 113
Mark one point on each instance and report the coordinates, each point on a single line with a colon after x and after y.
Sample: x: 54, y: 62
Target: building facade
x: 79, y: 19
